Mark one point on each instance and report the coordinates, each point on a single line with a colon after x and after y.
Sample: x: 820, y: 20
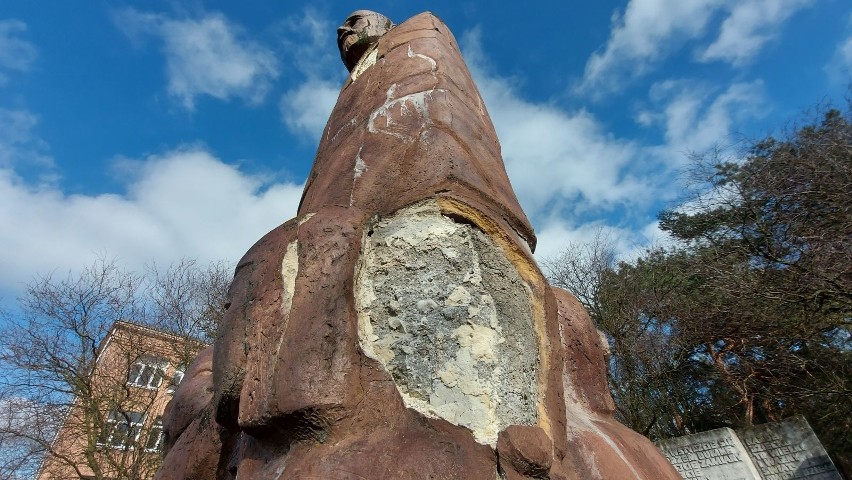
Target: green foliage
x: 746, y: 319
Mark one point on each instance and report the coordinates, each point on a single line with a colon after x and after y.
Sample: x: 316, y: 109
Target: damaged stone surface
x: 598, y: 446
x: 399, y: 326
x: 444, y: 311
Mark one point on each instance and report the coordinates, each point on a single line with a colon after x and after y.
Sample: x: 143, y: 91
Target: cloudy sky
x: 150, y: 131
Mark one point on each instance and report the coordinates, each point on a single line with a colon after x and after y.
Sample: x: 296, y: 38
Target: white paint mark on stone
x: 360, y: 168
x: 412, y: 104
x: 432, y: 63
x: 581, y: 418
x: 352, y: 121
x: 289, y: 271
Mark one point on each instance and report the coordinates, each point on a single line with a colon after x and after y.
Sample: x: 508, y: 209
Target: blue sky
x: 150, y: 131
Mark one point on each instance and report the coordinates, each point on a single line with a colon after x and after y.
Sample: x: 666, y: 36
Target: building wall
x: 112, y: 426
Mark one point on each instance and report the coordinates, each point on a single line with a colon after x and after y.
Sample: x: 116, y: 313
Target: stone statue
x: 361, y: 30
x: 399, y: 327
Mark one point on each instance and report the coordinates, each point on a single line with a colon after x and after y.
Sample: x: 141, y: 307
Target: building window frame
x: 177, y: 377
x: 156, y: 436
x: 147, y: 372
x: 121, y: 429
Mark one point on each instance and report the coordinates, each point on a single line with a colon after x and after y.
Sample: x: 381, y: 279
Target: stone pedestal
x: 788, y: 450
x: 715, y: 454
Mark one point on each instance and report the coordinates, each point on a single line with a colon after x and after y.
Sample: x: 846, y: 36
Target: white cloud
x: 15, y: 53
x: 556, y: 234
x: 842, y: 63
x: 845, y: 53
x: 650, y: 30
x: 695, y: 117
x: 554, y: 156
x: 182, y: 203
x: 647, y: 32
x: 570, y: 174
x: 574, y: 178
x: 18, y: 144
x: 840, y: 66
x: 310, y: 41
x: 305, y: 108
x: 749, y: 27
x: 206, y: 56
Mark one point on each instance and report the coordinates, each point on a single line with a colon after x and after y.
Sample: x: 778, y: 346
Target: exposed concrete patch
x: 518, y: 255
x: 448, y: 315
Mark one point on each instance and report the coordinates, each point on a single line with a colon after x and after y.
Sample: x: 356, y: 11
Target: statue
x: 399, y: 327
x: 360, y: 31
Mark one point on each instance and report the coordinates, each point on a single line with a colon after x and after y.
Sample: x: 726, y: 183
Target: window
x: 155, y: 436
x: 176, y: 379
x: 121, y: 429
x: 147, y: 372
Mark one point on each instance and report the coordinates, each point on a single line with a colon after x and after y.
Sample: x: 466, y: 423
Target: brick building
x: 114, y: 430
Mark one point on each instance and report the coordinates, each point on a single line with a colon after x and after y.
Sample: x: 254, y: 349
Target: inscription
x: 690, y: 460
x: 788, y: 451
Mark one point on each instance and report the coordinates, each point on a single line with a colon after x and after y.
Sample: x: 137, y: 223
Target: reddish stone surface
x: 525, y: 450
x: 287, y: 391
x: 420, y: 128
x: 599, y: 446
x: 192, y: 435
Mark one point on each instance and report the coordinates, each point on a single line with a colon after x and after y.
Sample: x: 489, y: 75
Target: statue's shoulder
x: 421, y: 21
x: 424, y: 25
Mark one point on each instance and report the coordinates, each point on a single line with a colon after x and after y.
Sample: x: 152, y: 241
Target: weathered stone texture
x: 399, y: 326
x: 788, y: 450
x: 192, y: 434
x: 412, y: 126
x: 598, y: 446
x: 445, y: 312
x: 715, y: 454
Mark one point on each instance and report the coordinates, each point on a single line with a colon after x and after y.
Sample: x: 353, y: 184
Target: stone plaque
x: 788, y: 450
x: 712, y: 455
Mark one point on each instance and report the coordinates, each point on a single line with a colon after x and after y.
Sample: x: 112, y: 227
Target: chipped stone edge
x: 527, y: 271
x: 532, y: 277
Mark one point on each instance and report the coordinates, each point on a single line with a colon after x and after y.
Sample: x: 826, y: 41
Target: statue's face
x: 362, y: 29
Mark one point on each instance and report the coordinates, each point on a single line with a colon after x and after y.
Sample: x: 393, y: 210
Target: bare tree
x: 19, y: 456
x: 92, y: 356
x: 186, y: 299
x: 645, y: 360
x: 580, y: 268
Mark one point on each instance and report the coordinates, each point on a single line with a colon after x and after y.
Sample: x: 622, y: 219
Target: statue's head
x: 359, y: 32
